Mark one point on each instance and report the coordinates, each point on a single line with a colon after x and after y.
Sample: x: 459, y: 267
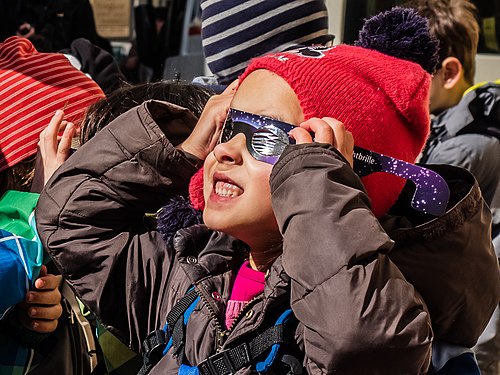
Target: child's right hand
x: 326, y: 130
x: 53, y: 150
x: 42, y: 308
x: 205, y: 135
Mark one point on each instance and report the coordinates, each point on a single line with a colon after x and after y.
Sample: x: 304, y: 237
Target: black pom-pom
x: 175, y: 215
x: 402, y: 33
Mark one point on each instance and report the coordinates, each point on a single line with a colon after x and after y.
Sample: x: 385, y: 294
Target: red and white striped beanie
x: 33, y: 86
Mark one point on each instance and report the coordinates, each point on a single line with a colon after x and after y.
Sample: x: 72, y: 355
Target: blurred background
x: 154, y: 39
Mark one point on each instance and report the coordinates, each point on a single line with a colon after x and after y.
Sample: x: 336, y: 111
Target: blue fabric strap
x: 231, y: 360
x: 188, y: 370
x: 158, y: 342
x: 266, y: 364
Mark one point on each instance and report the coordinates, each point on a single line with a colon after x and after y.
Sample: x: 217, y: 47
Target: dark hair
x: 18, y: 177
x: 101, y: 113
x: 455, y: 24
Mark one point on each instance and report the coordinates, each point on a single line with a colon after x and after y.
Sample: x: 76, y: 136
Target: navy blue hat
x: 235, y: 31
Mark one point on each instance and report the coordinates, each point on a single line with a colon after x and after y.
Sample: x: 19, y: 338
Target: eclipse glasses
x: 266, y: 138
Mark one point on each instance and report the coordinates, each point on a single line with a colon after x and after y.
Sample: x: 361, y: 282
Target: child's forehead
x: 265, y: 93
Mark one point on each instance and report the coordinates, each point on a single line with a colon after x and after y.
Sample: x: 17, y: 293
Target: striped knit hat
x: 33, y: 86
x: 235, y: 31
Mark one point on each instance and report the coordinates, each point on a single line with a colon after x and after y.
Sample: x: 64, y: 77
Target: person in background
x: 51, y: 25
x: 33, y: 86
x: 157, y: 32
x: 462, y: 112
x: 97, y: 63
x: 274, y: 197
x: 114, y: 358
x: 465, y: 127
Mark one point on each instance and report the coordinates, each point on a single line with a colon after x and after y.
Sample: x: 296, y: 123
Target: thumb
x: 43, y: 271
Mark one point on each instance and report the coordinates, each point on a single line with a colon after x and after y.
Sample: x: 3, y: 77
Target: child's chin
x: 213, y: 220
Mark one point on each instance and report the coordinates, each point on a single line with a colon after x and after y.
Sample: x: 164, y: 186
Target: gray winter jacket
x: 357, y: 313
x: 457, y: 139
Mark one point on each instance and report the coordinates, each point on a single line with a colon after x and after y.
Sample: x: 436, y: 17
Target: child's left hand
x: 42, y: 307
x: 326, y: 130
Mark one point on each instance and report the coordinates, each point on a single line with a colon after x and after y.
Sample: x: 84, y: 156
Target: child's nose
x: 231, y: 151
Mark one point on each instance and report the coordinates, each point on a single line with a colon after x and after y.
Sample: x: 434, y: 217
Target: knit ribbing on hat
x: 381, y: 99
x: 233, y: 32
x: 33, y: 86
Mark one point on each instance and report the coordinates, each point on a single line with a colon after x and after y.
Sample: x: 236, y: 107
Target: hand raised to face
x: 326, y: 130
x: 205, y: 135
x: 53, y: 149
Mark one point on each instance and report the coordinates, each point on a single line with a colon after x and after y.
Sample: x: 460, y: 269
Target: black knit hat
x: 235, y: 31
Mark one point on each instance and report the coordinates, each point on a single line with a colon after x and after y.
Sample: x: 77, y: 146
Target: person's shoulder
x: 471, y: 151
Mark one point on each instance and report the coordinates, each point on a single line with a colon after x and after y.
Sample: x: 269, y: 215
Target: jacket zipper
x: 242, y: 311
x: 220, y: 332
x: 240, y: 315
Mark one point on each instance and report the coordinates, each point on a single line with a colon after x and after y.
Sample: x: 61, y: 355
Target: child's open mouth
x: 227, y: 189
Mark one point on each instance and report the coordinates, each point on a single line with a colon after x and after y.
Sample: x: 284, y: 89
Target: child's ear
x: 452, y: 70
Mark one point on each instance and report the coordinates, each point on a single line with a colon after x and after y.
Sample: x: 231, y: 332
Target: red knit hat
x: 33, y: 86
x: 381, y: 99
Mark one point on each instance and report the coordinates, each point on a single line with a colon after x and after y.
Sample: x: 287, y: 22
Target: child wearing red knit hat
x: 300, y: 266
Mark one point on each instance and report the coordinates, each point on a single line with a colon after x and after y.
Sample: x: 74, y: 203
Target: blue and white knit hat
x: 235, y: 31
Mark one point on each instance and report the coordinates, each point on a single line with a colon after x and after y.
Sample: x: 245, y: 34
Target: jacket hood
x: 448, y: 253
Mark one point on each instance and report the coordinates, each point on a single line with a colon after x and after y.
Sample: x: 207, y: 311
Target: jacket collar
x: 203, y: 252
x: 477, y: 103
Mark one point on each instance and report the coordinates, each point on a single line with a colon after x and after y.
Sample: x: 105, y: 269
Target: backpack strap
x: 231, y: 360
x: 486, y: 127
x: 228, y: 361
x: 158, y: 342
x: 176, y: 327
x: 86, y: 327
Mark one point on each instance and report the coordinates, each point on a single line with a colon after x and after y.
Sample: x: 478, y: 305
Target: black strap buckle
x: 293, y: 364
x: 153, y: 347
x: 217, y: 364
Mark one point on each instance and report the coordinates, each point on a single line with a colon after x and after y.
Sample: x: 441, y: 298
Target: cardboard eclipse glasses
x: 266, y: 138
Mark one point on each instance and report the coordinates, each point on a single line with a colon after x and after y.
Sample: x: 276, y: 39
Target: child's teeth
x: 225, y: 189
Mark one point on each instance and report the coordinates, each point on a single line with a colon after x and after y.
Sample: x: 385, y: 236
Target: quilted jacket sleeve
x: 357, y: 313
x: 90, y: 217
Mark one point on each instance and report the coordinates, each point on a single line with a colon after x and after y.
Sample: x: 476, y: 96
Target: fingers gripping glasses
x: 266, y: 138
